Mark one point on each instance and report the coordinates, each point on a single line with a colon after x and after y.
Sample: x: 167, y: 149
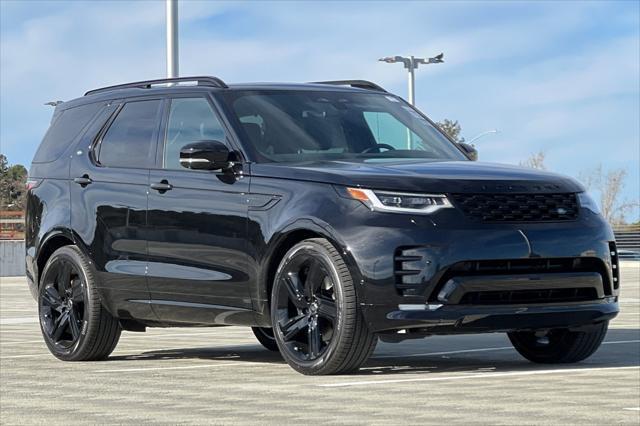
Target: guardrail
x: 627, y: 237
x: 11, y: 225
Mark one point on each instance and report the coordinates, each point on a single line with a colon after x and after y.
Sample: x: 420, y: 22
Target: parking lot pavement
x: 222, y: 375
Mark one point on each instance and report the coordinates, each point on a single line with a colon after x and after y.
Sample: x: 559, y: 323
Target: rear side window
x: 63, y: 130
x: 130, y: 140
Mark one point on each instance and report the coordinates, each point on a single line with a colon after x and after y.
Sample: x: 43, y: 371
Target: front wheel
x: 317, y: 321
x: 559, y: 345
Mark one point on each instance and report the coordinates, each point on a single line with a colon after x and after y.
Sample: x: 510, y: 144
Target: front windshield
x: 287, y: 126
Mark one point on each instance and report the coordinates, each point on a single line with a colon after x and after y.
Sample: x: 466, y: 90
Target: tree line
x: 13, y: 185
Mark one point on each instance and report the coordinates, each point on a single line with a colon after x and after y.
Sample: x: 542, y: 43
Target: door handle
x: 161, y: 186
x: 83, y: 180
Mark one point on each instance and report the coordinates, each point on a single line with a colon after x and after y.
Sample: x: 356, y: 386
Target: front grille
x: 518, y: 207
x: 529, y: 296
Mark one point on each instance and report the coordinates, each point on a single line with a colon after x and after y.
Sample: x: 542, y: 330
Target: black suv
x: 323, y: 215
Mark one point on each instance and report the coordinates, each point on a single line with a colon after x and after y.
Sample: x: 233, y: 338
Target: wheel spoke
x: 51, y: 298
x: 77, y: 291
x: 60, y: 326
x: 63, y: 279
x: 327, y: 308
x: 73, y: 324
x: 292, y: 327
x: 292, y: 282
x: 48, y: 323
x: 315, y: 276
x: 314, y: 339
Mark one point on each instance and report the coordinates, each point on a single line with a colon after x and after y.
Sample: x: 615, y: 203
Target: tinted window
x: 129, y: 141
x: 310, y: 125
x: 190, y: 120
x: 63, y: 130
x: 388, y: 130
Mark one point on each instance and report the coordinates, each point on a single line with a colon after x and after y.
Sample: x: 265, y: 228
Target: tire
x: 559, y: 346
x: 317, y: 321
x: 266, y: 338
x: 74, y: 324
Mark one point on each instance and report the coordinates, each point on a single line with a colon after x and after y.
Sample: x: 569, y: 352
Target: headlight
x: 400, y: 202
x: 588, y: 203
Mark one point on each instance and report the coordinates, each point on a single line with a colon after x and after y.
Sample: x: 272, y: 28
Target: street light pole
x: 412, y: 81
x: 172, y: 38
x: 411, y: 63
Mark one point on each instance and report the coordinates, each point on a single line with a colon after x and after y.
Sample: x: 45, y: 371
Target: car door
x: 110, y: 181
x: 198, y: 225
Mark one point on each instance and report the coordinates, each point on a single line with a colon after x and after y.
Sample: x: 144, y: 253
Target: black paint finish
x: 201, y: 247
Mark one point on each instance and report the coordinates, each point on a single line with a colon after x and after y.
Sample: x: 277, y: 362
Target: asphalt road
x: 222, y: 375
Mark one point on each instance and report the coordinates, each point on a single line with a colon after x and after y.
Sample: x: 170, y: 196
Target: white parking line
x: 501, y: 348
x: 632, y: 408
x: 187, y: 367
x: 474, y: 376
x: 18, y: 320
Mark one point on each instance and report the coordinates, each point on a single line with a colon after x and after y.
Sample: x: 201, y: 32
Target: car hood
x: 422, y: 176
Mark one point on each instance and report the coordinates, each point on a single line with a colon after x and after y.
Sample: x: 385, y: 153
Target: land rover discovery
x: 325, y: 216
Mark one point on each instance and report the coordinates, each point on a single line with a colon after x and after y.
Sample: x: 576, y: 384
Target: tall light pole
x: 172, y: 39
x: 411, y: 63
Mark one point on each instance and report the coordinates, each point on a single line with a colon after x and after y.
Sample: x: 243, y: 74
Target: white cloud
x: 554, y: 76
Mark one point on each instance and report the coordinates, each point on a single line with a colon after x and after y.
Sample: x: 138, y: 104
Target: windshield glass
x: 286, y: 126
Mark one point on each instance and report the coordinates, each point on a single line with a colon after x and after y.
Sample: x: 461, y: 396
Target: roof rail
x: 200, y: 81
x: 361, y: 84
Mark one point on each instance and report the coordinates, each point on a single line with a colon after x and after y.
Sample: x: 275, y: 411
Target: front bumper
x: 453, y: 319
x: 407, y: 260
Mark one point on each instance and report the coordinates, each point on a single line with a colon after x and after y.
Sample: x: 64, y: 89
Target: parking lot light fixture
x: 410, y: 64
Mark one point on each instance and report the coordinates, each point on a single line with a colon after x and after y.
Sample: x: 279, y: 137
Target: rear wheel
x: 73, y: 322
x: 559, y: 345
x: 266, y: 338
x: 317, y: 321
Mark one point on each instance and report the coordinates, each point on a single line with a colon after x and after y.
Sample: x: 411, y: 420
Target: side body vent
x: 615, y: 264
x: 411, y: 268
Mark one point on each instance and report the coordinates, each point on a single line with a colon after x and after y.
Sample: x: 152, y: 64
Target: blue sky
x: 562, y: 77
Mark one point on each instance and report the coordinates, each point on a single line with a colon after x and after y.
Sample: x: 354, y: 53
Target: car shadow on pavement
x: 621, y: 349
x: 240, y: 353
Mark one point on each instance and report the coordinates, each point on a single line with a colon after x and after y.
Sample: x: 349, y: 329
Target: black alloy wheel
x: 62, y: 305
x: 316, y: 318
x: 559, y: 346
x: 307, y: 313
x: 74, y: 324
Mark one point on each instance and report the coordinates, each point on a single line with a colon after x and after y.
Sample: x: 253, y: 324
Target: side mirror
x: 470, y: 150
x: 205, y: 155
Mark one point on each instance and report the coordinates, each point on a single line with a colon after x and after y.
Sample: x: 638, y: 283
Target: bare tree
x: 535, y: 161
x: 609, y: 185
